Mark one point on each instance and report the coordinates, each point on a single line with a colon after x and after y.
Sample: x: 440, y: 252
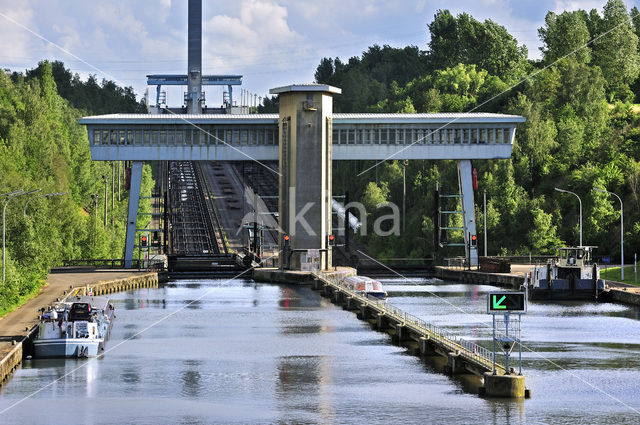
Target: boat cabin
x: 578, y: 256
x: 80, y: 311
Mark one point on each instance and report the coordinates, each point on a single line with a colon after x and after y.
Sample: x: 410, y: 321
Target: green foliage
x: 43, y: 146
x: 573, y: 137
x: 87, y: 96
x: 463, y: 39
x: 616, y: 53
x: 565, y: 34
x: 368, y: 80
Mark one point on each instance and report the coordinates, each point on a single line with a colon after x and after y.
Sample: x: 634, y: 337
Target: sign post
x: 506, y: 304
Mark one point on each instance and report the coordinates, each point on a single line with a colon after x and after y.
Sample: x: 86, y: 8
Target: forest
x: 42, y: 146
x: 580, y: 100
x: 582, y: 130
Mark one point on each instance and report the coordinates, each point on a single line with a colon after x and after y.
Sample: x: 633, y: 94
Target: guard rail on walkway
x: 471, y: 352
x: 114, y: 264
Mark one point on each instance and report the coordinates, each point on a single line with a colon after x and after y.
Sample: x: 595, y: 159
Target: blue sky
x: 270, y: 42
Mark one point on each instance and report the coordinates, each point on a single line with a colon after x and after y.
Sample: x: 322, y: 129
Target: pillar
x: 465, y: 181
x: 132, y: 217
x: 507, y: 386
x: 305, y: 171
x: 455, y: 364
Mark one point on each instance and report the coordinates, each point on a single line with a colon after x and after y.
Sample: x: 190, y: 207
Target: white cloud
x: 271, y: 42
x: 16, y: 43
x: 258, y: 30
x: 571, y: 5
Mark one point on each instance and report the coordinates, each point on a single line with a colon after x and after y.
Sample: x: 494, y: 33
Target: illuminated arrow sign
x: 506, y: 302
x: 497, y: 303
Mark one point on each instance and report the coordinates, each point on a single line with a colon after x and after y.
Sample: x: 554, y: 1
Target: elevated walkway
x: 210, y: 137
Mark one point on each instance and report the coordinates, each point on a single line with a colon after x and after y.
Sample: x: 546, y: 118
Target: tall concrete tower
x: 194, y: 59
x: 305, y: 171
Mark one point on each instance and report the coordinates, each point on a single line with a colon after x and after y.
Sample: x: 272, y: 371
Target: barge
x: 570, y: 276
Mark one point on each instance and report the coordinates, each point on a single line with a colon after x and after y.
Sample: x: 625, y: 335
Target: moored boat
x: 570, y: 276
x: 366, y: 286
x: 77, y: 327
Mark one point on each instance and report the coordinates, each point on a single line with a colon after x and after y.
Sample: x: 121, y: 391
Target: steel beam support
x: 132, y: 218
x: 468, y: 210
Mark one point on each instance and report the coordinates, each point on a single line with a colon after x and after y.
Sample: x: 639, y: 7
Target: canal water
x: 201, y: 352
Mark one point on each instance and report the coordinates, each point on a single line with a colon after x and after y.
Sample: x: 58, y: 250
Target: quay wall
x: 509, y: 281
x: 147, y: 280
x: 625, y: 297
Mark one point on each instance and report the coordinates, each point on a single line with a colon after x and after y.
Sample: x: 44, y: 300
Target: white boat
x: 365, y: 285
x: 77, y: 327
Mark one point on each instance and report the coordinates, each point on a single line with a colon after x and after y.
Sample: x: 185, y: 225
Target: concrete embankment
x: 622, y: 293
x: 505, y: 280
x: 18, y: 328
x: 615, y: 292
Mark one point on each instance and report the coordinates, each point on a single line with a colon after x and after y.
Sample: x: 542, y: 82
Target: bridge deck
x: 255, y: 136
x: 476, y: 359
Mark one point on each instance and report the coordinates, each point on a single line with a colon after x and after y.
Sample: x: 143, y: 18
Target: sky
x: 270, y: 42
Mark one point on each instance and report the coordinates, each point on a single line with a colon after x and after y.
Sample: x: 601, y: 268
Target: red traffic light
x: 144, y: 241
x: 331, y: 237
x: 286, y: 238
x: 474, y: 240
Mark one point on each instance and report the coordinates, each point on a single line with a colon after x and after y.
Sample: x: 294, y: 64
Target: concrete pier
x: 504, y: 386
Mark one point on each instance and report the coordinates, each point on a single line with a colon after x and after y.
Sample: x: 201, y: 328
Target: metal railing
x: 114, y: 264
x: 467, y: 349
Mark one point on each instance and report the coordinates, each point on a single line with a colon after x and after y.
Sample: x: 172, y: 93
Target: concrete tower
x: 194, y: 58
x: 305, y: 171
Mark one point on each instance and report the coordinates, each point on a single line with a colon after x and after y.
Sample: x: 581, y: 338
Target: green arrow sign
x: 506, y: 302
x: 497, y: 305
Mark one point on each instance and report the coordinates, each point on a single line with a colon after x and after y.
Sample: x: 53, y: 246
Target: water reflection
x: 254, y: 353
x: 191, y: 378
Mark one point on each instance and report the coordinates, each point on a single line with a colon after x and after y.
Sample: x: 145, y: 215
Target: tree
x: 616, y: 51
x: 565, y: 34
x: 487, y: 45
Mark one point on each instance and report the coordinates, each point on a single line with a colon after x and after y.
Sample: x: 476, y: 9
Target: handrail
x: 455, y: 343
x: 116, y: 263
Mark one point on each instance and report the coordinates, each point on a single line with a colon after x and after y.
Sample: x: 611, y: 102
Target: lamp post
x: 404, y: 195
x: 485, y: 222
x: 94, y: 198
x: 4, y: 215
x: 621, y: 230
x: 24, y: 211
x: 580, y: 201
x: 106, y: 197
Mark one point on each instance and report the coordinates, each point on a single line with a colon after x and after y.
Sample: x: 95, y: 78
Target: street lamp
x: 4, y: 214
x: 106, y: 185
x: 24, y: 211
x: 404, y: 195
x: 580, y: 201
x: 621, y: 230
